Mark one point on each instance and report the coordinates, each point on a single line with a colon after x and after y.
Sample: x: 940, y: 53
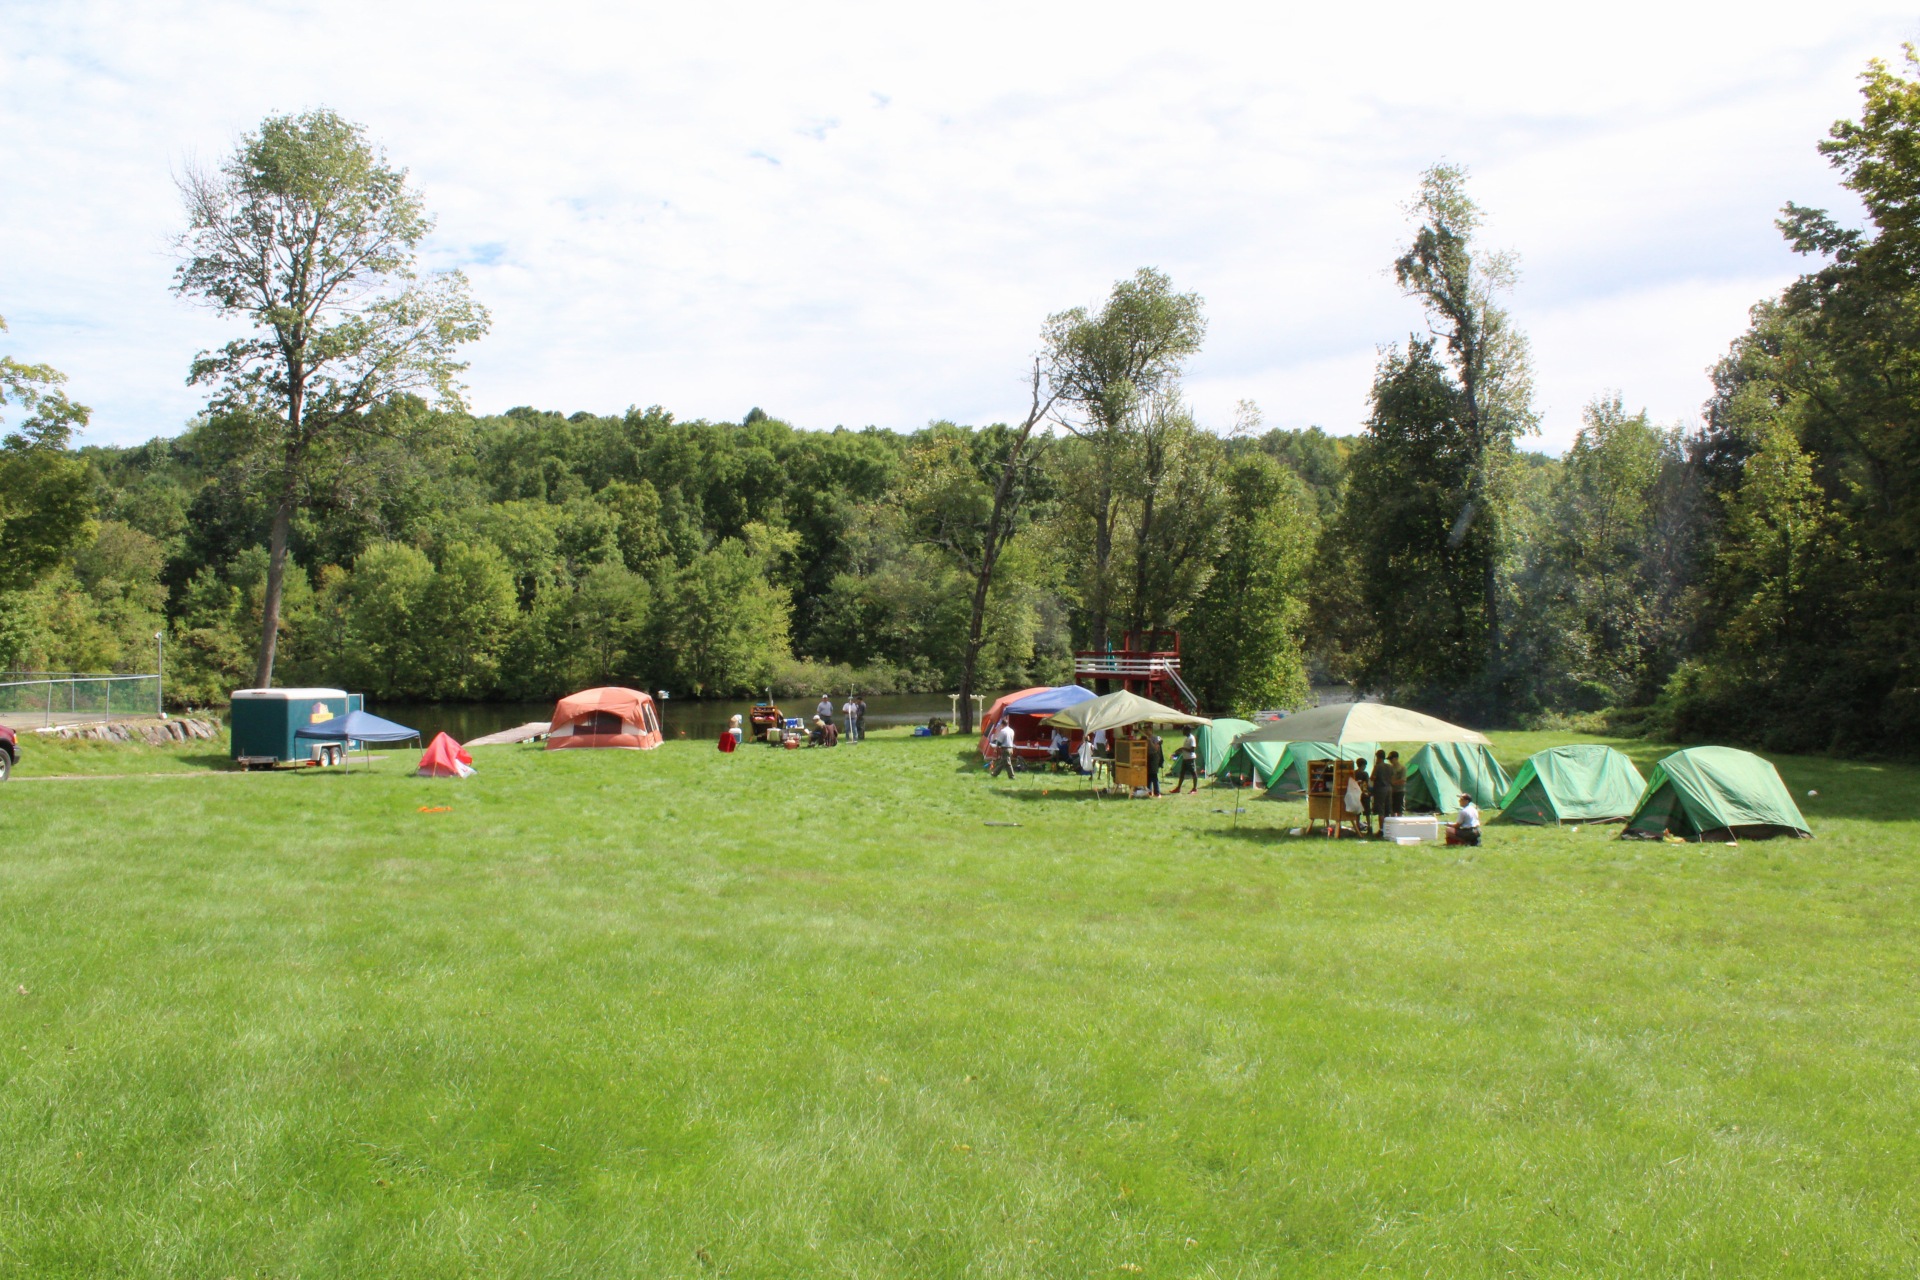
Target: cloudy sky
x: 861, y: 214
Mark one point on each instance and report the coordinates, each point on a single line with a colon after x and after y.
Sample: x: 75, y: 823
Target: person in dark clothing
x: 1156, y: 754
x: 1188, y: 754
x: 1382, y: 788
x: 1399, y: 775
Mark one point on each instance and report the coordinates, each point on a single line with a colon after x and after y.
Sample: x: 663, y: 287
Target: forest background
x: 1755, y: 579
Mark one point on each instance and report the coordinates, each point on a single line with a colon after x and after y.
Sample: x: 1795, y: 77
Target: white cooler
x: 1421, y: 828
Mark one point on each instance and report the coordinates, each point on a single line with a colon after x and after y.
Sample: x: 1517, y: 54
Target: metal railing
x: 60, y: 698
x: 1108, y: 664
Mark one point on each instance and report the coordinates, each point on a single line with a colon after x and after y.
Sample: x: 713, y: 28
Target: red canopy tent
x: 608, y: 717
x: 1029, y: 739
x: 445, y: 758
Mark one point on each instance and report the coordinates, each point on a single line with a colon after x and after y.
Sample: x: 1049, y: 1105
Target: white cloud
x: 862, y: 214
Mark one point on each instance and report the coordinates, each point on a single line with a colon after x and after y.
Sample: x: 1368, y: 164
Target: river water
x: 465, y: 721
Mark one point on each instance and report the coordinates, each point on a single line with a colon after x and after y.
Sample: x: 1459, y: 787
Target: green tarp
x: 1290, y: 774
x: 1583, y: 783
x: 1216, y: 741
x: 1716, y: 793
x: 1441, y: 771
x: 1251, y: 764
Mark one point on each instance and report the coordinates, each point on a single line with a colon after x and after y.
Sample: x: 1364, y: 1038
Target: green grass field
x: 825, y: 1014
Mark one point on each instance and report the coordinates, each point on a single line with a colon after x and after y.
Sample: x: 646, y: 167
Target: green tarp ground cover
x: 1716, y: 793
x: 1216, y: 741
x: 1290, y: 773
x: 1441, y: 771
x: 1581, y: 783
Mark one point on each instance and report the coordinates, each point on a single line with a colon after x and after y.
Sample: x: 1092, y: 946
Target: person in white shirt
x: 1001, y: 739
x: 1467, y: 829
x: 852, y: 714
x: 825, y: 709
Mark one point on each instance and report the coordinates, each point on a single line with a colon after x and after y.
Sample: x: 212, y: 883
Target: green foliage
x: 724, y: 623
x: 1419, y: 547
x: 309, y: 235
x: 46, y: 497
x: 1813, y: 446
x: 1246, y: 635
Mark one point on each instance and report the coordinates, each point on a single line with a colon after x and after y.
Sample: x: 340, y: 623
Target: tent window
x: 600, y: 722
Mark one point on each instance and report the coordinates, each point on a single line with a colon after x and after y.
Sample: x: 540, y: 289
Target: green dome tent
x: 1716, y: 793
x: 1441, y: 772
x: 1290, y: 774
x: 1582, y: 783
x: 1216, y: 741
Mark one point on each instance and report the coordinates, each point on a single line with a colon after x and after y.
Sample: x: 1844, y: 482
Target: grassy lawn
x: 824, y: 1013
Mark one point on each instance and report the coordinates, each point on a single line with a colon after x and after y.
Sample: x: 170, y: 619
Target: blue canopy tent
x: 357, y: 726
x: 1045, y: 704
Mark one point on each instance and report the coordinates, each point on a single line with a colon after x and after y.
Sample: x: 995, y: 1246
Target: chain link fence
x: 64, y: 697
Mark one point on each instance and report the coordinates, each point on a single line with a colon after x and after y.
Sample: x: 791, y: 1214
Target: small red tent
x: 609, y: 717
x: 445, y: 758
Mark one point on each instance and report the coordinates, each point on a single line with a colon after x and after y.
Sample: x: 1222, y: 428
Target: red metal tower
x: 1146, y: 663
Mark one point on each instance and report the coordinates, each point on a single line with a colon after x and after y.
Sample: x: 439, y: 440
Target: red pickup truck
x: 9, y: 752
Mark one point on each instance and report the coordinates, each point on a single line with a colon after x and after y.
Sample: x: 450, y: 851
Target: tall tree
x: 311, y: 235
x: 1246, y: 629
x: 950, y: 506
x: 1421, y: 528
x: 1105, y: 366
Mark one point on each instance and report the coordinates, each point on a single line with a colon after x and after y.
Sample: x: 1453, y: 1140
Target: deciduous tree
x: 309, y: 234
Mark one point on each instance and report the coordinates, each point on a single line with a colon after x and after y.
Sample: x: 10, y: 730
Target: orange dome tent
x: 609, y: 717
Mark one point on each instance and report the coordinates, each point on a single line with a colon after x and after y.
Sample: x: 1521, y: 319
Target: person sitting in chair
x: 817, y: 735
x: 1060, y: 751
x: 1467, y: 830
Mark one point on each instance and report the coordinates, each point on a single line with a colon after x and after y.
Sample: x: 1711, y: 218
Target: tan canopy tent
x: 1344, y: 722
x: 1116, y: 711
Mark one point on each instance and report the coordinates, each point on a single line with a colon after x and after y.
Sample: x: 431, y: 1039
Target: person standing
x: 1002, y: 742
x: 825, y: 709
x: 852, y: 722
x: 1399, y: 773
x: 1382, y: 789
x: 1156, y: 756
x: 1354, y: 802
x: 1188, y: 755
x: 860, y: 717
x: 1365, y: 784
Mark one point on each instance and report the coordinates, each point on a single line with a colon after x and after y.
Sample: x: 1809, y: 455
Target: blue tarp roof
x: 1058, y: 699
x: 357, y: 726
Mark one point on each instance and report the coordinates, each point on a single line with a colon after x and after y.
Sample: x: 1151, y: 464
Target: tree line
x: 337, y: 516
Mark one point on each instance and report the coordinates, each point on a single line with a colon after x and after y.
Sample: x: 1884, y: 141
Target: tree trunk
x: 1004, y: 502
x: 1102, y: 561
x: 976, y: 628
x: 1140, y: 560
x: 276, y: 582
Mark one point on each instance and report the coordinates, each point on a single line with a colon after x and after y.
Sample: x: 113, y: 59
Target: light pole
x: 160, y: 674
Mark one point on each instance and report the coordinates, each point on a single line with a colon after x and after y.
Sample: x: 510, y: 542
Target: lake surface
x: 465, y: 721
